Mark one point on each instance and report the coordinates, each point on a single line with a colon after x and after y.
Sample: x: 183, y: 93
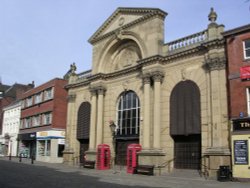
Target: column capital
x: 71, y: 97
x: 158, y: 76
x: 218, y: 63
x: 100, y: 90
x: 92, y: 92
x: 146, y: 79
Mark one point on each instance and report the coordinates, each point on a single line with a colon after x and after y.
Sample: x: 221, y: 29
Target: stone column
x: 70, y: 138
x: 157, y: 77
x: 100, y: 116
x: 92, y: 135
x: 215, y: 65
x: 146, y: 119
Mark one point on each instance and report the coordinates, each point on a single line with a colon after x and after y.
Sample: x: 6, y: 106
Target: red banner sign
x: 245, y: 72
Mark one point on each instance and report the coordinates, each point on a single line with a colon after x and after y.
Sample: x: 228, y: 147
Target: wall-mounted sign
x: 241, y: 152
x: 50, y: 134
x: 241, y: 125
x: 245, y: 72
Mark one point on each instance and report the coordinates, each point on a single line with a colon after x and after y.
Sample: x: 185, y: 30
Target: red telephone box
x: 103, y: 157
x: 132, y: 159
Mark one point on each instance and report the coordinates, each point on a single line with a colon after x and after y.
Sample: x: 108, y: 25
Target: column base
x: 68, y: 156
x: 152, y: 157
x: 214, y: 157
x: 91, y: 155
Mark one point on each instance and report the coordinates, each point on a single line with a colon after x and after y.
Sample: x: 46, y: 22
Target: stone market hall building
x: 168, y: 97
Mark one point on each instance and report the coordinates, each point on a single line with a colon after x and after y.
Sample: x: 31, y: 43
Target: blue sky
x: 39, y: 39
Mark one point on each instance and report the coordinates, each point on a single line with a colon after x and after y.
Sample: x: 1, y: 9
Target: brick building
x: 43, y: 121
x: 8, y: 96
x: 238, y: 70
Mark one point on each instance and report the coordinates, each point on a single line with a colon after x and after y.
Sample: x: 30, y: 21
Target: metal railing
x: 164, y: 165
x: 203, y: 171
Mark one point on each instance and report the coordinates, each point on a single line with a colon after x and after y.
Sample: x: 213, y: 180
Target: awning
x: 245, y: 72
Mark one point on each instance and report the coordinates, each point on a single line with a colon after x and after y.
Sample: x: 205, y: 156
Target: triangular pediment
x: 123, y: 18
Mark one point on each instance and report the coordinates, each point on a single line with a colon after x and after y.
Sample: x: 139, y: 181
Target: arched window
x: 83, y: 121
x: 128, y: 114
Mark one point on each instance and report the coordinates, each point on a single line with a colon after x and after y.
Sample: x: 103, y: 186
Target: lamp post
x: 112, y: 127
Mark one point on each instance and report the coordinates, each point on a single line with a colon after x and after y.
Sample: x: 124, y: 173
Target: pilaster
x: 157, y: 78
x: 146, y: 122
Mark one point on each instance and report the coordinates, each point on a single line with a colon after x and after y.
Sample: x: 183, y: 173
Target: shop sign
x: 50, y: 134
x: 245, y: 72
x: 241, y: 125
x: 61, y: 141
x: 241, y: 152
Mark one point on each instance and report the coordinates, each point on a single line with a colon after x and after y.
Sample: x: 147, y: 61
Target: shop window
x: 60, y: 150
x: 246, y: 46
x: 44, y: 147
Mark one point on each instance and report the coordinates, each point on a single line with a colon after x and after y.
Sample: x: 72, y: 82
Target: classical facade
x: 168, y: 97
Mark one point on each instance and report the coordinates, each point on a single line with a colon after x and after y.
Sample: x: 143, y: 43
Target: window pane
x: 247, y: 48
x: 247, y: 44
x: 124, y: 103
x: 129, y: 114
x: 248, y: 53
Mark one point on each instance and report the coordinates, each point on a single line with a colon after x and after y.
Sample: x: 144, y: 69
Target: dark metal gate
x: 187, y: 154
x: 121, y: 151
x: 84, y: 146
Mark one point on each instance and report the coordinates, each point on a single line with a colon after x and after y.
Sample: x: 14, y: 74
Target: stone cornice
x: 197, y: 50
x: 150, y: 13
x: 170, y: 58
x: 102, y: 76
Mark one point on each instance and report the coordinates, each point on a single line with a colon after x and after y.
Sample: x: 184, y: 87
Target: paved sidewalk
x: 119, y: 176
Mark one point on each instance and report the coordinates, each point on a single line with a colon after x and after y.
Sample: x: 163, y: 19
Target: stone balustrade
x: 187, y: 41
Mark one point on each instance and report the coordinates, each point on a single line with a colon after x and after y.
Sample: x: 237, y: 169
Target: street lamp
x: 112, y: 127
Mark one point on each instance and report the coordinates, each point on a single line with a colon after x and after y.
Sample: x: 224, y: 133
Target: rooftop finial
x: 73, y: 68
x: 212, y: 15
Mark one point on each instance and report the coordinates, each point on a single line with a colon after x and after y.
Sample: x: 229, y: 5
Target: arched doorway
x: 185, y: 125
x: 128, y: 121
x: 83, y: 124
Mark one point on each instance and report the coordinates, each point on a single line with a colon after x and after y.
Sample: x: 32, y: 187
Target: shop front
x: 241, y: 148
x: 27, y: 145
x: 50, y: 145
